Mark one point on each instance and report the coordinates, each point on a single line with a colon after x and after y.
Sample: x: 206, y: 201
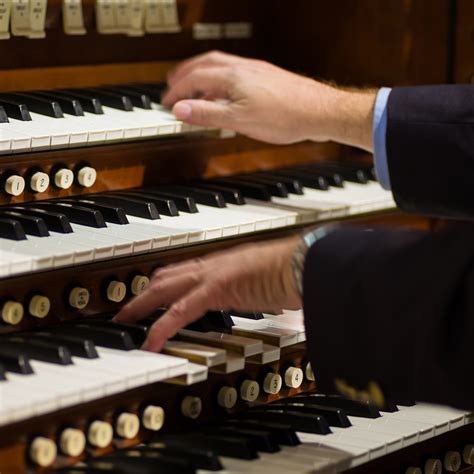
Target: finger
x: 205, y: 113
x: 210, y: 59
x: 193, y: 306
x: 142, y: 305
x: 194, y: 265
x: 210, y: 81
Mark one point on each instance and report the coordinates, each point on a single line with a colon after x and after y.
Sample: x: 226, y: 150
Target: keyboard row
x: 43, y: 235
x: 83, y: 360
x: 44, y: 120
x: 63, y: 366
x: 285, y: 436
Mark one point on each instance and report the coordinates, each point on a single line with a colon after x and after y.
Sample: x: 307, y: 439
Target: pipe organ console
x: 100, y: 185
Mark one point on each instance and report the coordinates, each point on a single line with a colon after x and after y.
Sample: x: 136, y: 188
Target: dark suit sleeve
x: 430, y: 149
x: 393, y: 307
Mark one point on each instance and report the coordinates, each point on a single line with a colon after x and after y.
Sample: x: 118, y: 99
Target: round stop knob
x: 191, y: 407
x: 293, y: 377
x: 116, y: 291
x: 12, y: 312
x: 43, y: 451
x: 39, y: 182
x: 308, y: 372
x: 39, y: 306
x: 72, y: 442
x: 139, y: 284
x: 87, y: 176
x: 79, y: 297
x: 413, y: 470
x: 272, y: 383
x: 249, y: 390
x: 127, y: 425
x: 433, y: 466
x: 64, y: 178
x: 468, y: 454
x: 100, y: 434
x: 153, y: 418
x: 227, y: 397
x: 14, y: 185
x: 452, y: 461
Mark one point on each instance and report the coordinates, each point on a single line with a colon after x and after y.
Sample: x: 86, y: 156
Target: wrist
x: 287, y: 280
x: 344, y: 116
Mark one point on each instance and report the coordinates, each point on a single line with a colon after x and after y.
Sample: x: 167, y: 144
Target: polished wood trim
x: 83, y: 76
x: 151, y: 162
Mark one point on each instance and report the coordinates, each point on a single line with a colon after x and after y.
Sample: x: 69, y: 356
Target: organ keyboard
x: 75, y: 370
x: 100, y: 185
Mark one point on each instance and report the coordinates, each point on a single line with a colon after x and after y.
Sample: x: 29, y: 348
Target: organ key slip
x: 100, y: 185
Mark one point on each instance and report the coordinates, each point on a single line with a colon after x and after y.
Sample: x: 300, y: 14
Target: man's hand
x: 255, y: 277
x: 267, y: 103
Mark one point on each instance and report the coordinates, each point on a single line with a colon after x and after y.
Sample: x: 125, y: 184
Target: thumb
x: 204, y: 112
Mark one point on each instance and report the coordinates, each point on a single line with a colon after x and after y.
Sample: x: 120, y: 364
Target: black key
x: 284, y: 434
x: 355, y: 175
x: 251, y: 315
x: 139, y: 99
x: 261, y: 439
x: 31, y: 225
x: 183, y: 203
x: 112, y: 214
x: 69, y: 105
x: 38, y: 350
x: 147, y: 322
x: 154, y: 91
x: 113, y: 338
x: 206, y: 197
x: 293, y: 185
x: 89, y: 103
x: 55, y: 221
x: 363, y: 409
x: 78, y: 347
x: 75, y: 213
x: 125, y: 462
x: 15, y: 362
x: 11, y: 229
x: 306, y: 179
x: 200, y: 458
x: 165, y: 206
x: 3, y: 372
x: 230, y: 195
x: 367, y: 168
x: 332, y: 177
x: 223, y: 445
x: 109, y: 99
x: 213, y: 321
x: 47, y: 107
x: 248, y: 189
x: 136, y: 332
x: 277, y: 188
x: 154, y: 96
x: 298, y: 421
x: 15, y: 110
x: 389, y: 407
x: 131, y: 206
x: 407, y: 403
x: 334, y: 416
x: 3, y: 115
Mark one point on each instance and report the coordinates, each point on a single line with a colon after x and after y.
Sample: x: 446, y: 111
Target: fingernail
x: 182, y: 110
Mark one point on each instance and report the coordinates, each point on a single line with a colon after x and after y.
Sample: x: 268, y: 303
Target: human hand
x: 265, y: 102
x: 254, y: 277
